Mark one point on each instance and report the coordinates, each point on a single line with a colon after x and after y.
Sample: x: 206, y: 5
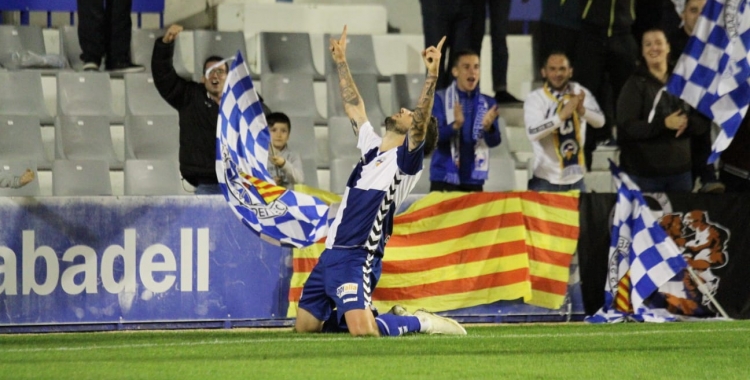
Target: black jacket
x: 615, y: 16
x: 651, y: 149
x: 198, y: 116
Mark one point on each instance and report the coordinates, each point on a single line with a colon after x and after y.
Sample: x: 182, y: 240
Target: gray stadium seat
x: 22, y: 95
x: 502, y: 175
x: 17, y: 168
x: 21, y: 140
x: 504, y: 149
x: 341, y: 140
x: 284, y: 53
x: 80, y: 178
x: 341, y: 169
x: 405, y: 90
x: 367, y: 85
x: 360, y: 56
x: 69, y: 46
x: 142, y: 46
x: 291, y: 93
x: 599, y: 182
x: 302, y: 141
x: 85, y: 94
x: 142, y: 97
x: 152, y: 137
x: 85, y: 138
x: 223, y: 44
x: 153, y: 177
x: 17, y: 38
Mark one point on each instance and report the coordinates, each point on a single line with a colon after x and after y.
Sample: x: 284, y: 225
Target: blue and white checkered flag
x: 713, y: 73
x: 276, y: 214
x: 641, y: 258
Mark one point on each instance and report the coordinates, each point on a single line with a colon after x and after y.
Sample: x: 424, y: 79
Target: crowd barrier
x: 106, y: 263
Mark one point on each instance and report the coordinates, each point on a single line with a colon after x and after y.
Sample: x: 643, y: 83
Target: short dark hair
x: 461, y: 53
x: 214, y: 58
x: 555, y: 52
x: 278, y: 117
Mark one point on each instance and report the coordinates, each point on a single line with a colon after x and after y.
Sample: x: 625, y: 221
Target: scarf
x: 481, y: 151
x: 568, y: 137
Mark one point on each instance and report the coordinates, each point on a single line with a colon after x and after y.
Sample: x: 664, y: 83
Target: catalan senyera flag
x: 455, y: 250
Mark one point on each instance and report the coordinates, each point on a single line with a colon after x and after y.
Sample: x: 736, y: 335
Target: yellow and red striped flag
x: 455, y: 250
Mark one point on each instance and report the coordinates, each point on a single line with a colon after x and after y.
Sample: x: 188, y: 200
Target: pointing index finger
x: 440, y: 44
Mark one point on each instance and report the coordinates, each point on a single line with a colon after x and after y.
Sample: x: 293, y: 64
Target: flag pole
x: 704, y: 289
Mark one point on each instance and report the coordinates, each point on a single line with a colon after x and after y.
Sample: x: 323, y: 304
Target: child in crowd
x: 283, y: 164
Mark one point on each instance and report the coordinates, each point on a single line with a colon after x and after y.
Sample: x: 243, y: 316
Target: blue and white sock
x: 396, y: 325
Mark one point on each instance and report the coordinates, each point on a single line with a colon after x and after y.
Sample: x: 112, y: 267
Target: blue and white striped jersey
x: 367, y: 189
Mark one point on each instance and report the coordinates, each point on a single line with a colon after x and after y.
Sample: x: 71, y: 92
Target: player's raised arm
x: 423, y: 112
x: 353, y: 104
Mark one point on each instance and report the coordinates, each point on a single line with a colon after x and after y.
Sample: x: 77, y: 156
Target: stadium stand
x: 302, y: 141
x: 291, y: 93
x: 152, y: 137
x: 501, y: 176
x: 360, y: 54
x: 85, y: 138
x: 286, y: 53
x: 153, y: 177
x: 142, y: 98
x: 367, y: 85
x: 85, y: 94
x: 23, y: 95
x: 405, y: 90
x: 21, y: 140
x: 341, y: 169
x: 80, y: 177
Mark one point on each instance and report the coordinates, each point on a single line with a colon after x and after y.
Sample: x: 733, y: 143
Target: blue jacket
x: 442, y: 155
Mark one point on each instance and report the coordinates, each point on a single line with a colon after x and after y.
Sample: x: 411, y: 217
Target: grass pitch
x: 700, y: 350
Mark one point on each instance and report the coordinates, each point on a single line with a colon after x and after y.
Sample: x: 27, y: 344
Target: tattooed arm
x: 423, y: 112
x: 353, y: 104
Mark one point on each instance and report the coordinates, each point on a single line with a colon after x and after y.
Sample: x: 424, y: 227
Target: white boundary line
x: 347, y: 338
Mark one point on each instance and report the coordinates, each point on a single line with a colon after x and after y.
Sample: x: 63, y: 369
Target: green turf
x: 701, y: 350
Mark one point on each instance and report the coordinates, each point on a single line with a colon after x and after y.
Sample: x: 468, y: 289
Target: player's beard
x: 390, y: 125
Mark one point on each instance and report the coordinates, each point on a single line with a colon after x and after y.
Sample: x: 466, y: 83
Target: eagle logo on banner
x: 276, y: 214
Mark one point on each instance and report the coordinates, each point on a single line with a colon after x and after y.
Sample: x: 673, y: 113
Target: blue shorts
x: 342, y: 278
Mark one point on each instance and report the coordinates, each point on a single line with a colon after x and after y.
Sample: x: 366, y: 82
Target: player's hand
x: 490, y: 118
x: 338, y: 47
x: 278, y: 161
x: 431, y: 57
x: 27, y: 177
x: 458, y: 114
x: 171, y: 33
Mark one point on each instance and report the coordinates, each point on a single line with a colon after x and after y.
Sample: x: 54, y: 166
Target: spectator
x: 735, y: 161
x: 498, y: 12
x: 654, y: 127
x: 605, y: 49
x: 701, y: 143
x: 556, y: 117
x: 467, y: 125
x: 449, y: 18
x: 284, y: 164
x: 558, y: 30
x: 104, y: 30
x: 198, y: 108
x: 7, y: 179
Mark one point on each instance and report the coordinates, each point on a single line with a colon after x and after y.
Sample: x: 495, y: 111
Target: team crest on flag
x: 713, y: 73
x: 642, y: 258
x: 275, y: 213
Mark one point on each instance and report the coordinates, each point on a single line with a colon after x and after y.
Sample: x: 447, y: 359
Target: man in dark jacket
x: 198, y: 108
x: 605, y: 46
